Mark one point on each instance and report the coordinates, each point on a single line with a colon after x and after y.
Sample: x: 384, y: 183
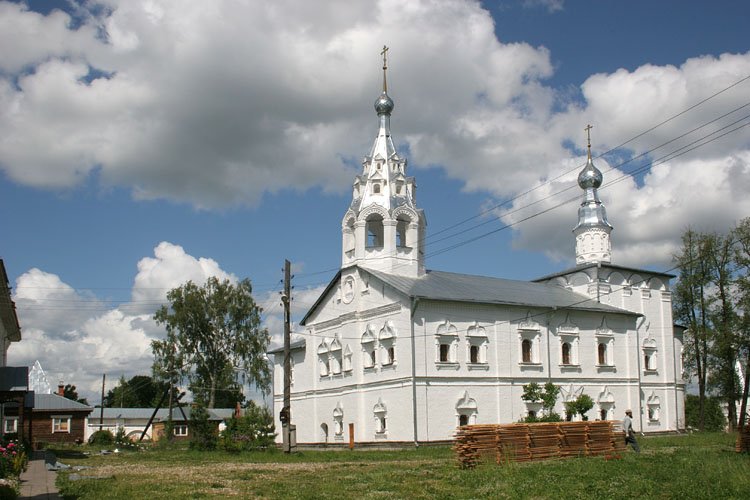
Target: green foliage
x: 532, y: 393
x: 547, y: 396
x: 547, y: 417
x: 13, y: 459
x: 713, y: 416
x: 579, y: 406
x: 141, y: 391
x: 211, y: 329
x: 202, y: 431
x: 71, y: 392
x: 252, y: 431
x: 700, y: 465
x: 228, y: 390
x: 103, y: 437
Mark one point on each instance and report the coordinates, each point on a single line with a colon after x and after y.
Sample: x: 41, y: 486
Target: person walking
x: 627, y: 427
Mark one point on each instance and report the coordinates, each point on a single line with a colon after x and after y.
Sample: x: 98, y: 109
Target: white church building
x: 393, y: 352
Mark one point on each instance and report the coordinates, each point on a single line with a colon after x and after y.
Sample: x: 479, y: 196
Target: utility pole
x: 101, y: 409
x: 287, y: 429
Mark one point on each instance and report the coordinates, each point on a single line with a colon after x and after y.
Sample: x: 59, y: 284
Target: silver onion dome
x: 384, y: 104
x: 590, y: 177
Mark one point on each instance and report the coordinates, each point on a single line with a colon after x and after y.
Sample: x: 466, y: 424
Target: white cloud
x: 78, y: 337
x: 214, y: 104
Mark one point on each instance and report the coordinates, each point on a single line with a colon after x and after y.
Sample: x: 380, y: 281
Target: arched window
x: 602, y: 354
x: 402, y: 226
x: 324, y: 432
x: 376, y: 188
x: 368, y: 347
x: 463, y: 420
x: 603, y: 414
x: 374, y: 231
x: 380, y: 412
x: 526, y: 351
x: 338, y: 421
x: 566, y: 353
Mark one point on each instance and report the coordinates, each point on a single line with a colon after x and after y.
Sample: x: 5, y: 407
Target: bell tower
x: 383, y: 229
x: 592, y: 232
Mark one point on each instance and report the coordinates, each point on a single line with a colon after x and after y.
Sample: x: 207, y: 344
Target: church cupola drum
x: 383, y: 229
x: 592, y: 232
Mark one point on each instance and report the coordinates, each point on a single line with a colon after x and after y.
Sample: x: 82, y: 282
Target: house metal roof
x: 623, y: 269
x: 161, y: 415
x: 54, y: 402
x: 454, y: 287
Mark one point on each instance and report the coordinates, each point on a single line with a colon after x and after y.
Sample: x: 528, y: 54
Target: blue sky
x: 146, y: 143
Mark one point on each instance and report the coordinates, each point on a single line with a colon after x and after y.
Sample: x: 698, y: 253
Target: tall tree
x: 228, y: 389
x: 141, y: 391
x: 719, y: 255
x: 211, y: 329
x: 691, y: 302
x: 741, y: 235
x: 71, y: 392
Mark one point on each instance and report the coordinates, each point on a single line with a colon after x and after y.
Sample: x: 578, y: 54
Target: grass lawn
x: 695, y: 466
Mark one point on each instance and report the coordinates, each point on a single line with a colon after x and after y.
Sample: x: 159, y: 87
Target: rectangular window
x: 61, y: 424
x: 10, y: 426
x: 180, y: 430
x: 474, y: 354
x: 444, y: 352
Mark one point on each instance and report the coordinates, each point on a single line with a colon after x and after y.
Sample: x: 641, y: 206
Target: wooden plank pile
x: 545, y: 441
x: 743, y: 440
x: 513, y: 443
x: 574, y: 439
x: 527, y: 442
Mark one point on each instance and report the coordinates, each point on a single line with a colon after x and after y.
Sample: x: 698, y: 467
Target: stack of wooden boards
x: 743, y: 440
x: 526, y: 442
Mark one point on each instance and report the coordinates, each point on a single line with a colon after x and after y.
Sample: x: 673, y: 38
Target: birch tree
x: 211, y: 329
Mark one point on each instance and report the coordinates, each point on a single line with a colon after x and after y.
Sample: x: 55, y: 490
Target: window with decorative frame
x: 323, y: 354
x: 61, y: 423
x: 476, y: 340
x: 338, y: 421
x: 653, y: 407
x: 347, y: 359
x: 529, y: 339
x: 446, y: 341
x: 605, y: 347
x: 368, y: 348
x: 10, y: 425
x: 568, y: 333
x: 335, y: 357
x: 387, y: 341
x: 649, y: 355
x: 380, y: 413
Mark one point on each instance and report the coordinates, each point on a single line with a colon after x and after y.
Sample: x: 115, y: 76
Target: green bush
x: 253, y: 431
x: 202, y: 431
x: 713, y: 416
x: 102, y: 438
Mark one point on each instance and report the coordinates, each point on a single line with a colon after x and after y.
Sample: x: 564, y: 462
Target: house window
x: 338, y: 420
x: 463, y: 420
x: 368, y: 347
x: 180, y: 430
x: 473, y: 355
x: 602, y: 354
x: 390, y: 355
x: 526, y: 351
x: 566, y: 353
x: 61, y: 424
x: 10, y: 425
x: 649, y: 360
x: 380, y: 413
x: 603, y: 414
x: 376, y: 188
x: 445, y: 350
x: 347, y: 359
